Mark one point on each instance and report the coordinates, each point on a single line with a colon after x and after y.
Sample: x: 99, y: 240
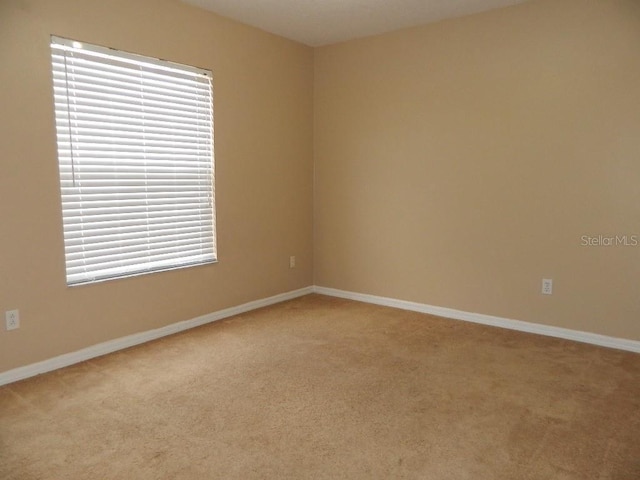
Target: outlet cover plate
x: 12, y: 319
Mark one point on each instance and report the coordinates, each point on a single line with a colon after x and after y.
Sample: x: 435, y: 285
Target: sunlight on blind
x: 135, y: 151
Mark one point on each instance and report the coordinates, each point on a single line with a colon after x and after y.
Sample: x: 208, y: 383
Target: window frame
x: 184, y: 168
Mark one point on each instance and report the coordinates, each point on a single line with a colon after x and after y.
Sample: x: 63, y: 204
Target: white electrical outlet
x: 12, y: 318
x: 547, y: 286
x: 292, y: 261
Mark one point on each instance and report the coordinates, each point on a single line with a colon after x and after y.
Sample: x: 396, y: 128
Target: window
x: 135, y: 153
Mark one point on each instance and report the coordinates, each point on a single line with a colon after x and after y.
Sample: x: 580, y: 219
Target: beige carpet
x: 322, y: 388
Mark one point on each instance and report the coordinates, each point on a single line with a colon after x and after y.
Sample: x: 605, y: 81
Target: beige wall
x: 456, y: 165
x: 263, y: 113
x: 459, y: 163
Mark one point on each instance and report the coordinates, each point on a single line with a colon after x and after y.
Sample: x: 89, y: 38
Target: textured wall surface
x: 456, y: 164
x: 459, y: 163
x: 263, y: 144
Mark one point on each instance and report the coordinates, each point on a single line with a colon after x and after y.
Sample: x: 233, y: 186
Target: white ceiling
x: 322, y: 22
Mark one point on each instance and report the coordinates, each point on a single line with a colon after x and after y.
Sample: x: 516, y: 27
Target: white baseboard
x: 110, y: 346
x: 100, y: 349
x: 565, y: 333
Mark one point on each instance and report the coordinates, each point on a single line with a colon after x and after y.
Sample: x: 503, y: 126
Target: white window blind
x: 135, y: 151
